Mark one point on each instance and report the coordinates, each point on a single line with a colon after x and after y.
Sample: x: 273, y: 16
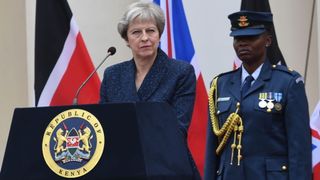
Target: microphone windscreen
x: 112, y: 50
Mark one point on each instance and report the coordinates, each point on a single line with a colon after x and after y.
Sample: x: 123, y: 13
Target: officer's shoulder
x: 289, y: 72
x: 223, y: 75
x: 285, y: 69
x: 226, y: 74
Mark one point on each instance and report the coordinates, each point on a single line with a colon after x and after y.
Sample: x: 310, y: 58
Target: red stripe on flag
x: 316, y: 172
x: 234, y: 66
x: 79, y: 68
x: 168, y: 30
x: 315, y: 134
x: 198, y: 126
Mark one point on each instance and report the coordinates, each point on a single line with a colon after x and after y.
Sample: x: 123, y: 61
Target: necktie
x: 246, y: 85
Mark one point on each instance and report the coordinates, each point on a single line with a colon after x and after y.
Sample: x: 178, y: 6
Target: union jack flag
x: 315, y: 130
x: 176, y: 41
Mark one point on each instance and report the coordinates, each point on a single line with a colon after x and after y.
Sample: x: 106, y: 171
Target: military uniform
x: 260, y: 129
x: 276, y: 142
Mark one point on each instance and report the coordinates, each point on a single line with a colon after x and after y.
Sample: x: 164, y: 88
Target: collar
x: 255, y: 74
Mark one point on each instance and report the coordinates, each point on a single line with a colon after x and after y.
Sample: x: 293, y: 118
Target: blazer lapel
x: 154, y: 76
x: 264, y: 75
x: 128, y: 82
x: 235, y: 84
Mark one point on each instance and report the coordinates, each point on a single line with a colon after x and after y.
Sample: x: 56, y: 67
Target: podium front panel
x: 141, y: 142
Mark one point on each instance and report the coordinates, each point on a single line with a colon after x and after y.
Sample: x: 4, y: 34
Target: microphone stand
x: 111, y: 52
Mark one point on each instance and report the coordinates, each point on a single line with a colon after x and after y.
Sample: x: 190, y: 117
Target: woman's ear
x: 268, y: 40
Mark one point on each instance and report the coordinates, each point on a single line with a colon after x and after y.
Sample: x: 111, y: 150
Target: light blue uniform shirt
x: 255, y: 74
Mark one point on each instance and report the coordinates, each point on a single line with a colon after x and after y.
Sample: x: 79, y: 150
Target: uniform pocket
x: 272, y: 118
x: 223, y: 106
x: 277, y: 169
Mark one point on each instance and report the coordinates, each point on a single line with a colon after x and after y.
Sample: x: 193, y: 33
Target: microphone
x: 111, y: 51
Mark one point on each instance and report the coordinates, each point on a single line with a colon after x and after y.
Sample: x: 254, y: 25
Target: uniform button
x: 284, y: 168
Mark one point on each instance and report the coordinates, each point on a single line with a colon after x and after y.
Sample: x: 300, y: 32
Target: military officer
x: 259, y: 122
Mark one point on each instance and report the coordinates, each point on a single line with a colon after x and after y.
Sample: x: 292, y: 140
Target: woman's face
x: 143, y: 38
x: 251, y: 49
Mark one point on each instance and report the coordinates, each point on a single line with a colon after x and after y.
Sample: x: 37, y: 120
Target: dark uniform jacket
x: 276, y: 143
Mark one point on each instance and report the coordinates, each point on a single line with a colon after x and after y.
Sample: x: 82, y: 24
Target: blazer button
x: 284, y: 168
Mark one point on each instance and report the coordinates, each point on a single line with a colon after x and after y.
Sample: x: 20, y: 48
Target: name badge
x: 221, y: 99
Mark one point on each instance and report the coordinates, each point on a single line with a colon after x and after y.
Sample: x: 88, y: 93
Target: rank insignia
x: 73, y: 143
x: 243, y: 21
x: 299, y: 79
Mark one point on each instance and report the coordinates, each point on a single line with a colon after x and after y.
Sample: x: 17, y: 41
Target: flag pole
x: 309, y: 43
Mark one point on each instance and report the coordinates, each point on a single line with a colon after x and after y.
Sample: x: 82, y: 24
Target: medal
x: 270, y: 105
x: 277, y: 96
x: 278, y: 106
x: 262, y: 103
x: 262, y: 97
x: 270, y: 100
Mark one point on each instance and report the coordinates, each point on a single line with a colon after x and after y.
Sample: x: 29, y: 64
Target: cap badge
x: 243, y: 21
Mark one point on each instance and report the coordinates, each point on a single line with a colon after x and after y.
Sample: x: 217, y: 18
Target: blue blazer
x: 276, y: 145
x: 168, y: 81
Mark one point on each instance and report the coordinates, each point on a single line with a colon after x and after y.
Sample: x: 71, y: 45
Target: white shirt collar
x: 255, y: 74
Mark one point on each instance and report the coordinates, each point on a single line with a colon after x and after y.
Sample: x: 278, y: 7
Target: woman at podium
x: 150, y: 76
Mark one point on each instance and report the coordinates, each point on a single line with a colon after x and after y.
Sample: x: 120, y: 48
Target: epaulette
x: 285, y: 69
x: 224, y: 73
x: 295, y: 74
x: 228, y: 72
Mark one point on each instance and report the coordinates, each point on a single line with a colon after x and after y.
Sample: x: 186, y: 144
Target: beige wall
x: 13, y: 64
x: 98, y: 24
x: 292, y: 20
x: 97, y: 21
x: 312, y: 80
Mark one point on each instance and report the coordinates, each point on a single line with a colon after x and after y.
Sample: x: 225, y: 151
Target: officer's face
x: 252, y: 49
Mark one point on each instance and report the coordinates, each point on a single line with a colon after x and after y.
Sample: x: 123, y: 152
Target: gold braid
x: 232, y: 124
